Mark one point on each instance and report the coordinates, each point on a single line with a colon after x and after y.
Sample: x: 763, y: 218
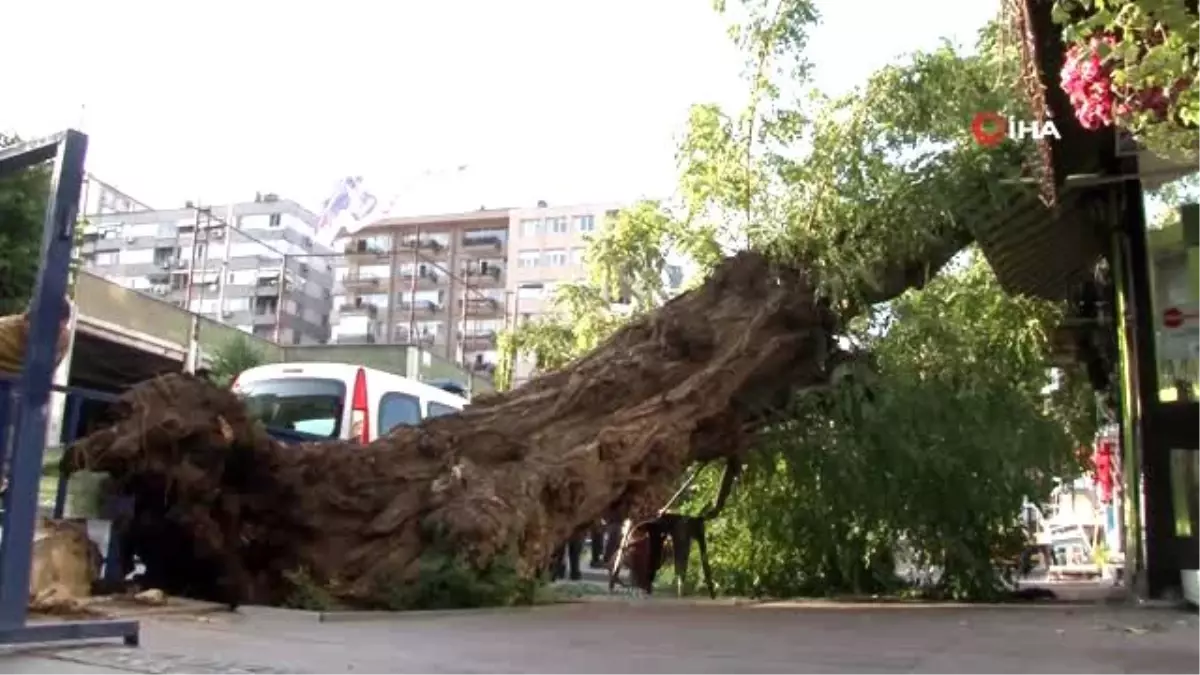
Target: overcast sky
x: 562, y: 100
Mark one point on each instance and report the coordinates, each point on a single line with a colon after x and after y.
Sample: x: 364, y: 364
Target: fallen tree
x: 225, y: 512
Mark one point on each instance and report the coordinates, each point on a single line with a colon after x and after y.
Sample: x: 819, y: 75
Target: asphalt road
x: 659, y: 637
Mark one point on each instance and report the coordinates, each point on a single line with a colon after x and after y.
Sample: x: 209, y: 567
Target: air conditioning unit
x: 129, y: 239
x: 166, y: 264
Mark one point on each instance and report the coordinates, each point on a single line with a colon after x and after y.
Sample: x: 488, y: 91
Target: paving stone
x: 138, y: 660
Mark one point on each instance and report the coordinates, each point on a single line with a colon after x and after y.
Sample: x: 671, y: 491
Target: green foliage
x: 233, y: 357
x: 1170, y: 196
x: 929, y: 456
x: 445, y: 581
x: 1157, y: 50
x: 307, y: 594
x: 22, y: 214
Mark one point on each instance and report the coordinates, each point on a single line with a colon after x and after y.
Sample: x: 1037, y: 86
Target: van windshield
x: 308, y: 405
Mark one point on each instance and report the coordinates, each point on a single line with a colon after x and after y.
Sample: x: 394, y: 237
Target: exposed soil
x: 226, y: 513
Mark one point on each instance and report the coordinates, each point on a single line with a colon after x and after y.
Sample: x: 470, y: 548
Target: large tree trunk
x: 227, y: 513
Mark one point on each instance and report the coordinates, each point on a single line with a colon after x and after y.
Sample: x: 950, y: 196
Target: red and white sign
x: 1179, y: 333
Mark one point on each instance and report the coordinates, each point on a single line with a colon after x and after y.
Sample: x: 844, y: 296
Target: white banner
x: 355, y: 204
x: 351, y: 207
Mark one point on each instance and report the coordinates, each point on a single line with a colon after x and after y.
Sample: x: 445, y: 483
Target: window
x: 105, y: 258
x: 577, y: 256
x: 674, y: 275
x: 397, y: 409
x: 531, y: 227
x: 164, y: 256
x: 308, y: 405
x: 527, y: 259
x: 556, y: 258
x: 441, y: 410
x: 275, y: 220
x: 556, y: 225
x: 585, y: 224
x: 485, y: 237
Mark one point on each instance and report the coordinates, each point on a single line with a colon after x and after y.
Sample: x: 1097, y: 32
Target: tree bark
x: 225, y: 512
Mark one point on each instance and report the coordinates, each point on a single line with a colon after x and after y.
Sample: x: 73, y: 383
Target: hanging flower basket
x: 1098, y: 101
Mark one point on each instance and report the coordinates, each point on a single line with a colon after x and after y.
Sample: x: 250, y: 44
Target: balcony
x: 485, y: 243
x: 487, y: 276
x: 478, y: 340
x: 425, y: 278
x: 359, y: 308
x: 364, y: 249
x: 267, y: 285
x: 421, y: 307
x: 427, y: 246
x: 355, y: 282
x: 362, y: 339
x: 483, y: 307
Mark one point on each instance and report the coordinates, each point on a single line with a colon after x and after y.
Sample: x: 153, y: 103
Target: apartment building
x: 435, y: 281
x: 546, y: 246
x: 250, y: 264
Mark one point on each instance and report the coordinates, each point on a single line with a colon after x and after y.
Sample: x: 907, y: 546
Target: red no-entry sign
x: 1172, y: 317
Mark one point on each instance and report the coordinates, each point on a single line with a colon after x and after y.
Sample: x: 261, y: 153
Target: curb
x: 350, y: 616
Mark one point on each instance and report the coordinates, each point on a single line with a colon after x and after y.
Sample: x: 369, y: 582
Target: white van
x: 339, y: 400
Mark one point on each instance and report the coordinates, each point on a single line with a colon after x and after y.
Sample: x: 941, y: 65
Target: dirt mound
x: 226, y: 513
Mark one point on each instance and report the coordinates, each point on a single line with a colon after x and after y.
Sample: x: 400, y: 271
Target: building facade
x: 451, y: 283
x: 546, y: 248
x: 253, y: 265
x: 438, y: 282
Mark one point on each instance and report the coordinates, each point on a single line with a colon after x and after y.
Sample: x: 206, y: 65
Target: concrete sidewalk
x: 660, y: 638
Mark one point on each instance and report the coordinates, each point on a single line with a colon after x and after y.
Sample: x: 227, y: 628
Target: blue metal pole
x: 46, y: 310
x: 6, y: 414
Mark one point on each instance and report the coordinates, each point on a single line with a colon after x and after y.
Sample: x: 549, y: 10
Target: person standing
x: 14, y: 341
x: 14, y: 337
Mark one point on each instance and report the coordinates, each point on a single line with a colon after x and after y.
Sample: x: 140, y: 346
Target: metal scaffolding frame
x: 68, y: 150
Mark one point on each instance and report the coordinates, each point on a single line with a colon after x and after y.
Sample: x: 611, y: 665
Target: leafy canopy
x: 22, y: 212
